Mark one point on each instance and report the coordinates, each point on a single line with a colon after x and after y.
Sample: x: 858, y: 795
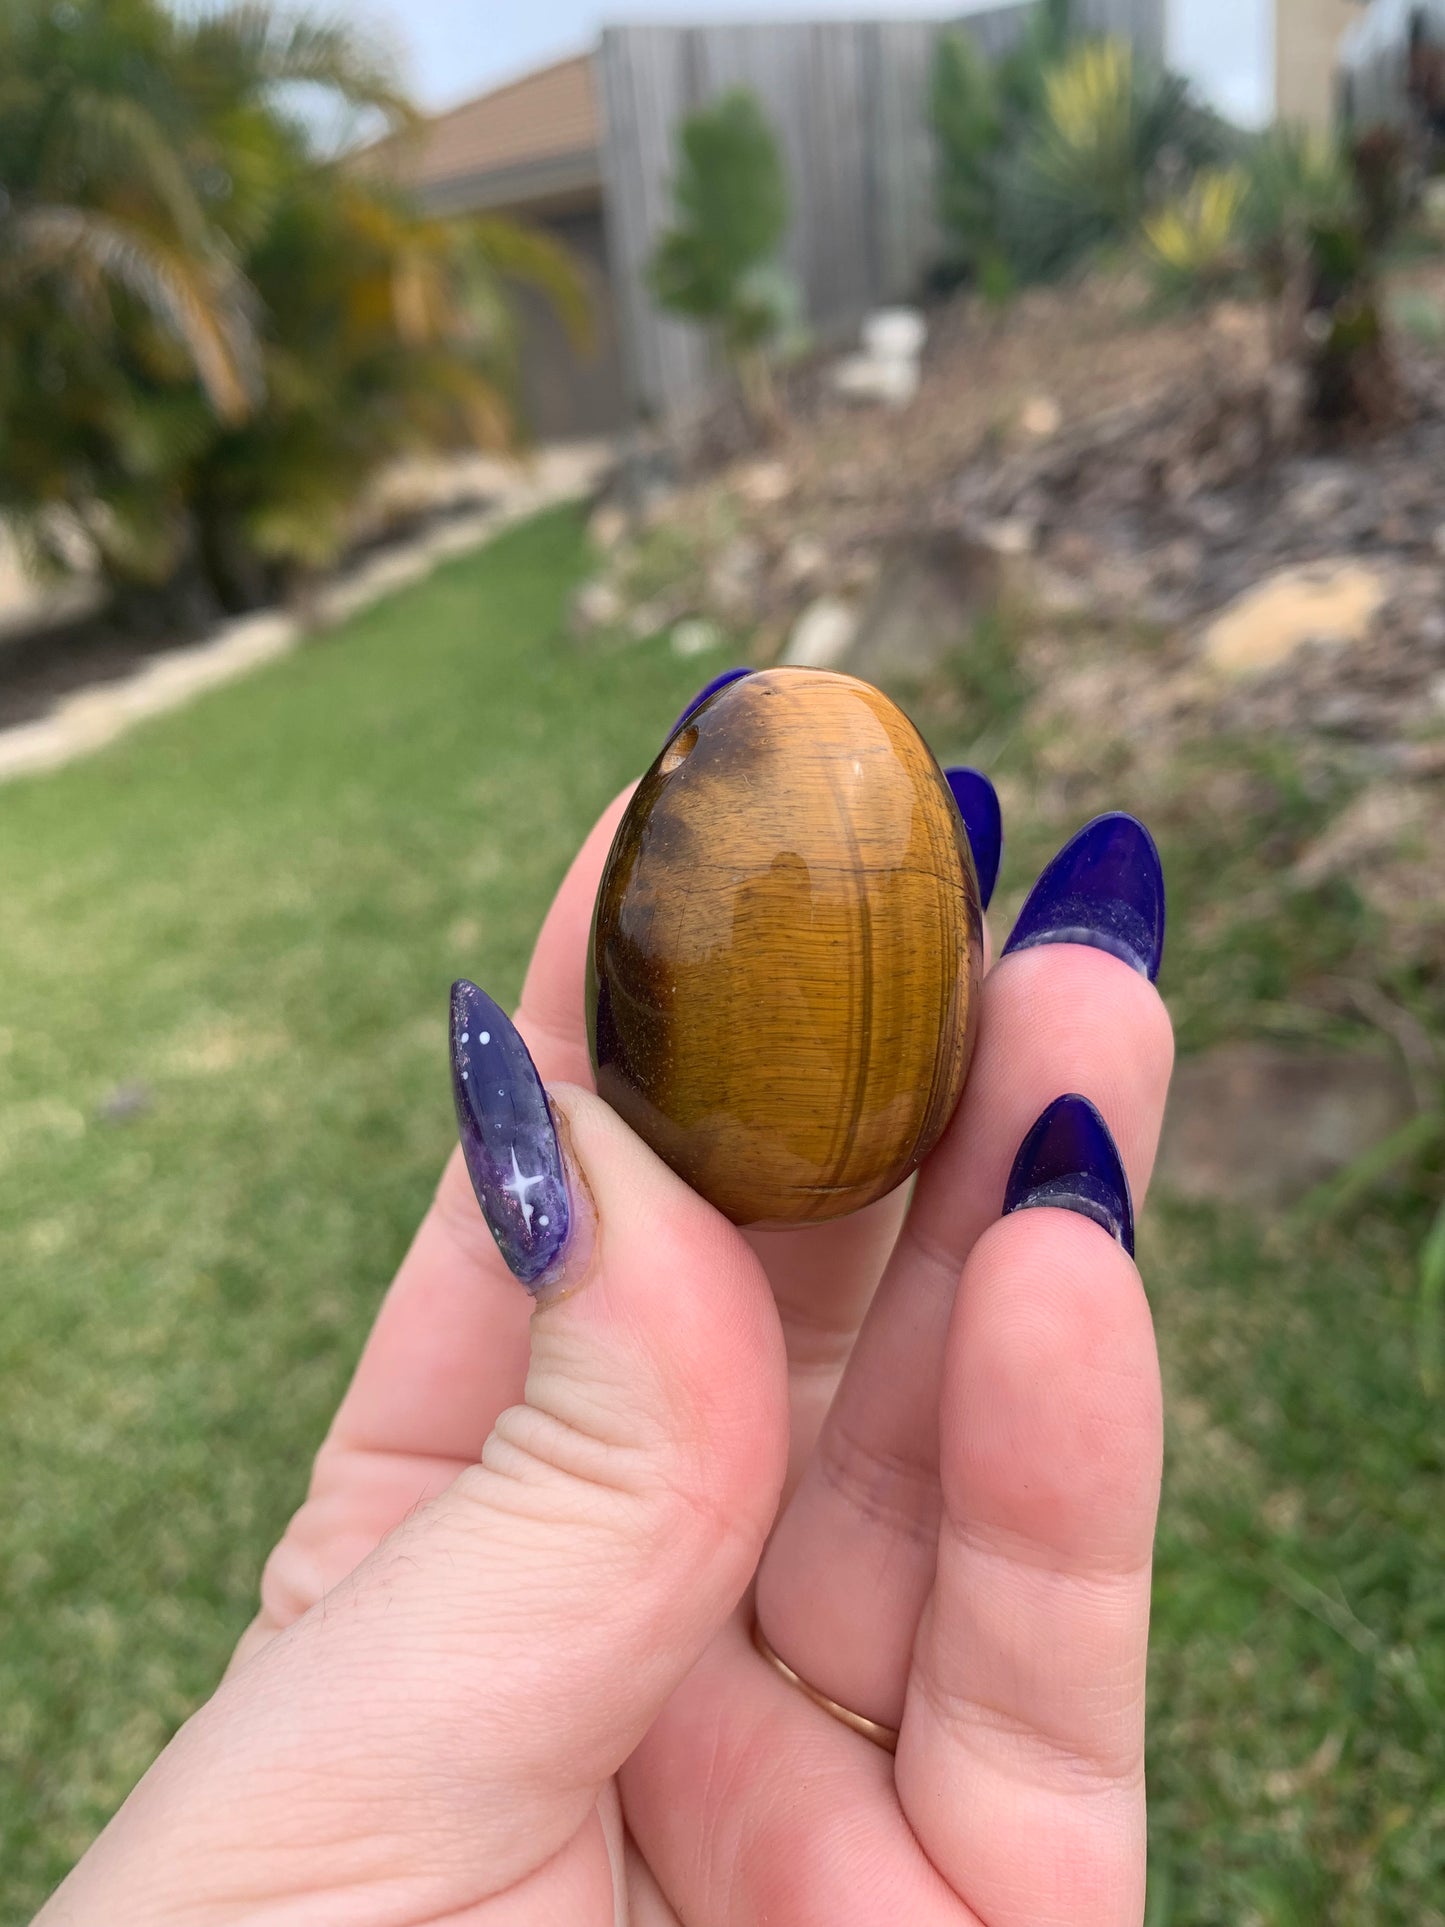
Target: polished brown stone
x: 786, y: 952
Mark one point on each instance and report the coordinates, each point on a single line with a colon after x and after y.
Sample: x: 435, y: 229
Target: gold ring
x: 884, y: 1736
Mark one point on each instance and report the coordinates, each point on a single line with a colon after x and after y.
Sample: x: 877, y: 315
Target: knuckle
x: 579, y: 1471
x: 895, y: 1489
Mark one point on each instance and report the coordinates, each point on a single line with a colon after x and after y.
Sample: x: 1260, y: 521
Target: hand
x: 503, y: 1671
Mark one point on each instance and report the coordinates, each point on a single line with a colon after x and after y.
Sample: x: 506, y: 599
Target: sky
x: 452, y: 49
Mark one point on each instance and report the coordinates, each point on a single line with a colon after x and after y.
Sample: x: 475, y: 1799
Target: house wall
x: 569, y: 393
x: 1307, y: 44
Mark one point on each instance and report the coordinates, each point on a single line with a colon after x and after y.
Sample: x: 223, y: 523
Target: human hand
x: 503, y: 1670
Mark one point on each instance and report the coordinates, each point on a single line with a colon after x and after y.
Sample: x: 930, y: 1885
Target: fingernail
x: 1070, y: 1161
x: 707, y: 694
x: 978, y: 805
x: 508, y: 1137
x: 1105, y: 889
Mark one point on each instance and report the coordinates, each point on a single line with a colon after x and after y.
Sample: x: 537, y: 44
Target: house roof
x: 534, y: 140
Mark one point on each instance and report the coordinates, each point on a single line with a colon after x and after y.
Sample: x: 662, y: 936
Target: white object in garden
x: 694, y: 636
x: 823, y: 635
x: 887, y: 371
x: 894, y: 334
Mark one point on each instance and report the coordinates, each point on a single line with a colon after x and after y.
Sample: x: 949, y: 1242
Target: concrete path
x: 90, y: 718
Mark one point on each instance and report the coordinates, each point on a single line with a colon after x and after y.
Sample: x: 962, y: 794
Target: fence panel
x: 848, y: 102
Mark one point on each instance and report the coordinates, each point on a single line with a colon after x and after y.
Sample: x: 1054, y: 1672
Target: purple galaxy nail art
x: 1105, y: 888
x: 1069, y: 1160
x: 508, y: 1137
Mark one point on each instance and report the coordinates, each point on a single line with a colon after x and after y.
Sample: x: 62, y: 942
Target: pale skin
x: 502, y: 1675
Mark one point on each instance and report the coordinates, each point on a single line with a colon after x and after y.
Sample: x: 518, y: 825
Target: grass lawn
x: 225, y: 947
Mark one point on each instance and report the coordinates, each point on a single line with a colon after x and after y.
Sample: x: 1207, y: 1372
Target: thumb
x: 447, y: 1716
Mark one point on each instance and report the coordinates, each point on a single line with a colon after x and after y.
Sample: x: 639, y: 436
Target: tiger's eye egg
x: 786, y: 952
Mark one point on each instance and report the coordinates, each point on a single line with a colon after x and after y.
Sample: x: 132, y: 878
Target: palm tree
x: 211, y: 334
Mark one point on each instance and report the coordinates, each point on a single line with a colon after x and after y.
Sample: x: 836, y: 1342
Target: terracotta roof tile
x: 541, y: 117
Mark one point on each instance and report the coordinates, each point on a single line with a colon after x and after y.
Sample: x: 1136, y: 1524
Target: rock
x: 1259, y: 1125
x: 1324, y: 489
x: 695, y: 636
x: 925, y: 604
x: 804, y: 562
x: 1334, y: 601
x: 607, y: 526
x: 596, y: 605
x: 1214, y: 517
x: 1346, y: 713
x: 764, y: 483
x: 1425, y: 761
x: 1041, y: 418
x: 894, y: 334
x: 1234, y: 320
x: 822, y: 635
x: 733, y: 578
x: 1074, y: 552
x: 1056, y: 593
x: 1369, y: 828
x: 1181, y: 562
x: 862, y: 378
x: 1014, y: 536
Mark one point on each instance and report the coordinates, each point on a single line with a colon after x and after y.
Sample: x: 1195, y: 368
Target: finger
x: 851, y: 1563
x: 449, y: 1348
x: 750, y: 1804
x: 1021, y: 1760
x: 458, y: 1703
x: 825, y: 1276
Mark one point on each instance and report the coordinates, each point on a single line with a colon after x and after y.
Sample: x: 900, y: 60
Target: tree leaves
x: 212, y: 335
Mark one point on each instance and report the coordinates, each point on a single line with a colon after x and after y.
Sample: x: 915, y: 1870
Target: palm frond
x: 527, y: 254
x: 272, y: 49
x: 106, y: 139
x: 207, y: 304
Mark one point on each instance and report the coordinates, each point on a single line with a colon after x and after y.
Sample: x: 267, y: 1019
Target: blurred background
x: 400, y: 417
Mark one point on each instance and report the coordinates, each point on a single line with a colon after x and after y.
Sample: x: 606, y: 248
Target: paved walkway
x: 90, y: 718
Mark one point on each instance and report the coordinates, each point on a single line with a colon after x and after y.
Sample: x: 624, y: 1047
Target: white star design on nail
x: 522, y: 1188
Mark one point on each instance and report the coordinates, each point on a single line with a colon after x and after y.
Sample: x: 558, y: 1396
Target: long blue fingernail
x: 1106, y: 889
x: 978, y: 805
x: 1070, y: 1161
x: 508, y: 1137
x: 707, y: 694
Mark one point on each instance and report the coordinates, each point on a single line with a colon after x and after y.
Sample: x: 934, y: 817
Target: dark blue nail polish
x: 1106, y: 889
x: 978, y: 805
x: 706, y: 695
x: 1070, y: 1161
x: 508, y: 1137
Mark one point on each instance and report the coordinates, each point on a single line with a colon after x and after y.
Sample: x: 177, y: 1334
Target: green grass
x: 1297, y: 1709
x: 251, y: 912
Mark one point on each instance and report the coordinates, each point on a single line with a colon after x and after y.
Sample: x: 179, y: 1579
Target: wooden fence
x: 849, y: 104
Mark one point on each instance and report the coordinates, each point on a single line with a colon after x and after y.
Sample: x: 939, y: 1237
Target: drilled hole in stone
x: 679, y: 749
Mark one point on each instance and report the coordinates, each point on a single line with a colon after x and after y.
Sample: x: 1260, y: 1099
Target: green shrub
x: 1193, y: 243
x: 1056, y: 151
x: 968, y: 119
x: 717, y: 264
